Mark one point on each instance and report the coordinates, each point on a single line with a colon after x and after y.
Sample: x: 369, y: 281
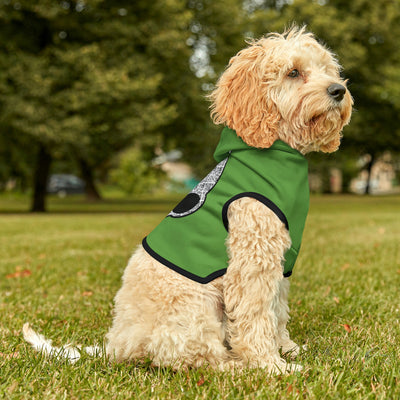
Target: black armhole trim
x: 270, y: 204
x: 181, y: 271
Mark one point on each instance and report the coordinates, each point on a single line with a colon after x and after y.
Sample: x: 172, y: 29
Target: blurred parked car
x: 64, y: 184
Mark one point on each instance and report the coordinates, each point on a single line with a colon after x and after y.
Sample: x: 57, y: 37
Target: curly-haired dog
x: 209, y: 285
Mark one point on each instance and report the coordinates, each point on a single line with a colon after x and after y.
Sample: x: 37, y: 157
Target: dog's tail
x: 68, y: 352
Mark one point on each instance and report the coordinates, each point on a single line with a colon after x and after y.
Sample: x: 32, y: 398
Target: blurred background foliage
x: 85, y: 84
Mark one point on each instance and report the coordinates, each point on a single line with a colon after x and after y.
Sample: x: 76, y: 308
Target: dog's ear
x: 241, y: 99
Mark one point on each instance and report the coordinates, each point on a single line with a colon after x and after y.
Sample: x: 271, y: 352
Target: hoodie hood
x: 231, y: 142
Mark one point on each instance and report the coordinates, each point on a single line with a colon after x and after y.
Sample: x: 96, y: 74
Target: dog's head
x: 284, y: 87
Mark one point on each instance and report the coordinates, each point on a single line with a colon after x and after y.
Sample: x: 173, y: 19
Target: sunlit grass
x: 61, y: 270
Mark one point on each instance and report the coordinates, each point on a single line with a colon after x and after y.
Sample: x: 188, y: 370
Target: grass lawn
x: 60, y: 272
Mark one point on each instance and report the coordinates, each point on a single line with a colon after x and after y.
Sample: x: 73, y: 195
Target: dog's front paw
x: 291, y: 367
x: 292, y: 350
x: 285, y: 368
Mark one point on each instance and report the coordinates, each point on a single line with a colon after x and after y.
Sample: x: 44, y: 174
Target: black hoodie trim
x: 267, y: 202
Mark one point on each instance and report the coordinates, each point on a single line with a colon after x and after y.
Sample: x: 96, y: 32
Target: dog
x: 209, y: 286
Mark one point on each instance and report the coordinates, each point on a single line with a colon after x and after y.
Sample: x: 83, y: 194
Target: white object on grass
x: 68, y: 352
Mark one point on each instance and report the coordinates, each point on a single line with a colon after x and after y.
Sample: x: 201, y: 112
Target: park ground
x: 61, y: 270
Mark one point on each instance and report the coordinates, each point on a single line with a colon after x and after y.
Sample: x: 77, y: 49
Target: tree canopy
x: 84, y: 80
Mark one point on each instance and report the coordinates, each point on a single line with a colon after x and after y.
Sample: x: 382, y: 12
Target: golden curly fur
x: 280, y: 87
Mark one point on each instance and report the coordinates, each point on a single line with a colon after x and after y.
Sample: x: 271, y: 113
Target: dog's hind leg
x: 191, y: 337
x: 256, y: 243
x: 167, y: 318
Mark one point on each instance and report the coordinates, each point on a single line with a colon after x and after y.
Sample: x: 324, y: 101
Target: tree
x: 214, y: 34
x: 91, y: 79
x: 84, y: 77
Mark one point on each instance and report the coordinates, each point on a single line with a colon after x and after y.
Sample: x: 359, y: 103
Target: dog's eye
x: 294, y: 73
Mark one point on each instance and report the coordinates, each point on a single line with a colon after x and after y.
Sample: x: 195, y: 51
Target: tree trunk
x: 40, y: 178
x: 369, y: 178
x: 91, y: 191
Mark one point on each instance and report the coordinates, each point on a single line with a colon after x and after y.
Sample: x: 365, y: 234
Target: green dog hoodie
x: 191, y: 239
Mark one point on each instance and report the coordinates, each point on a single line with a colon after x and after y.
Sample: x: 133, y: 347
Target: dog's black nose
x: 336, y: 91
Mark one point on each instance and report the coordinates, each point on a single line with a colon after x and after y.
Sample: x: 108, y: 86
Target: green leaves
x: 134, y: 174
